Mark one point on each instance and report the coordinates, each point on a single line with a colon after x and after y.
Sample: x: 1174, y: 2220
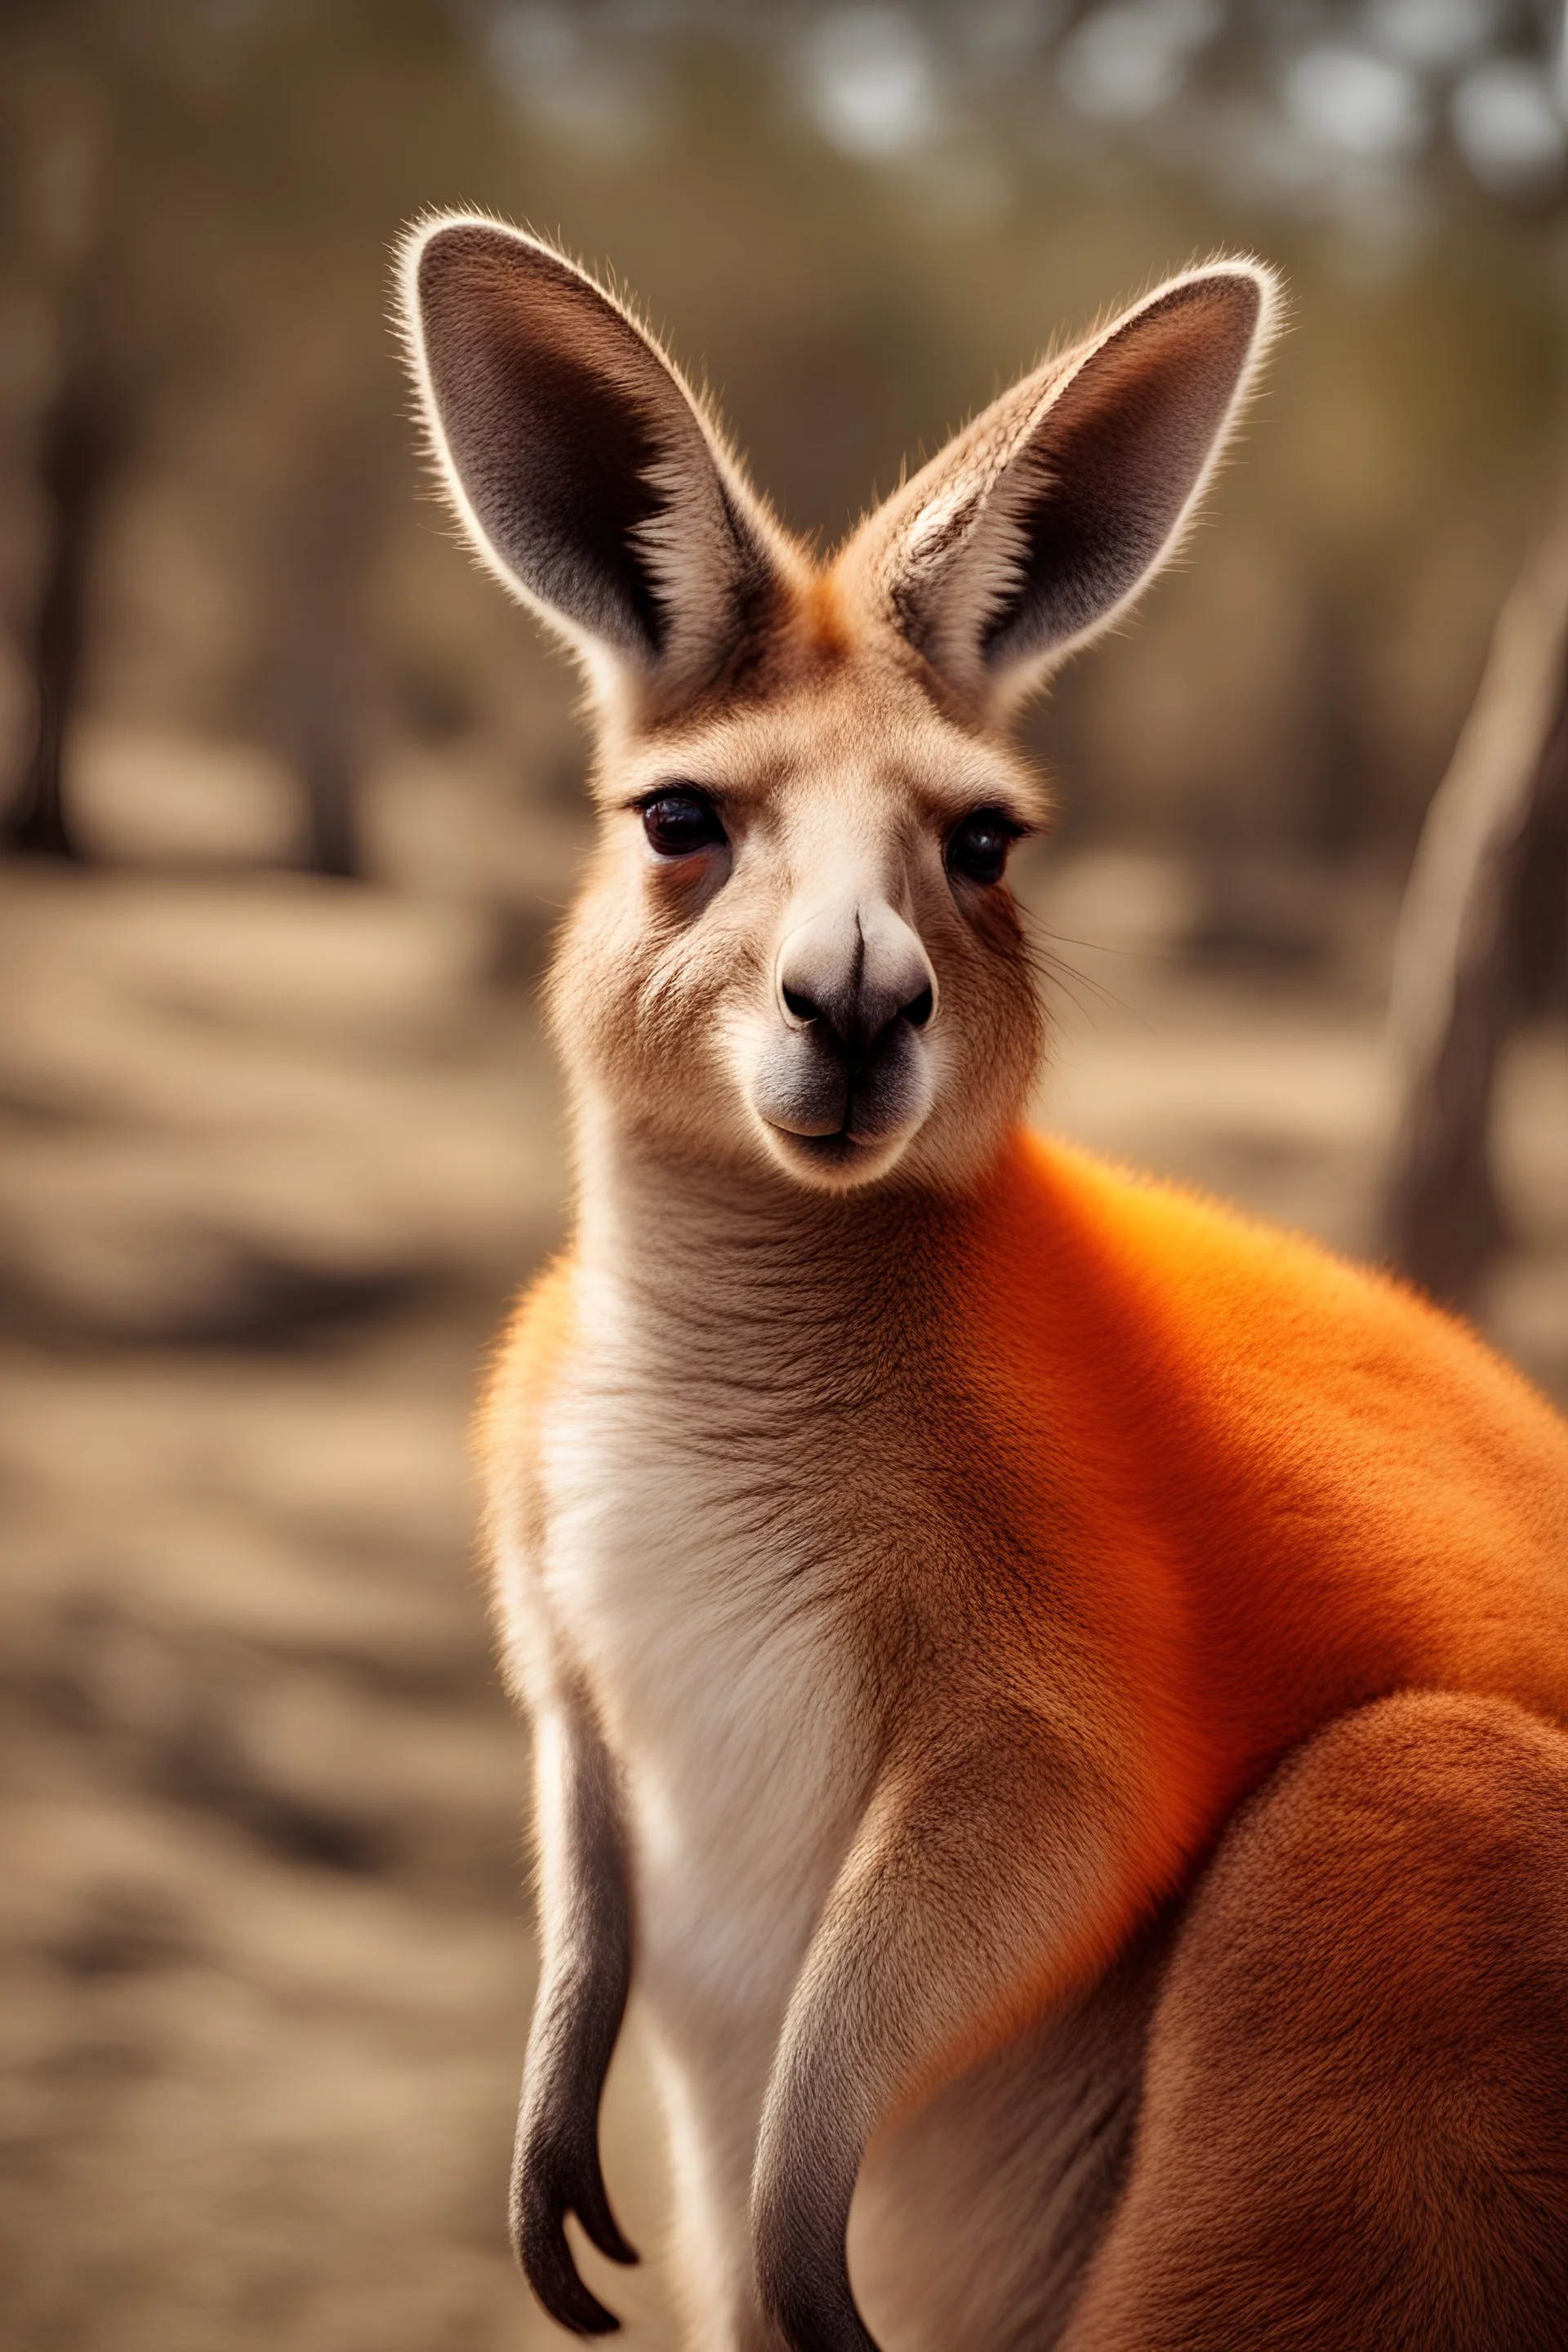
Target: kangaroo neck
x: 698, y: 1245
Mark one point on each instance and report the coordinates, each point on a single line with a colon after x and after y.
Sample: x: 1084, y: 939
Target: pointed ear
x: 584, y: 472
x: 1042, y: 521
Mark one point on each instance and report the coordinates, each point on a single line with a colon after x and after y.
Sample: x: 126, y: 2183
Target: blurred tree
x: 1483, y: 939
x: 56, y: 208
x: 79, y: 440
x: 198, y: 199
x: 315, y: 658
x: 106, y: 140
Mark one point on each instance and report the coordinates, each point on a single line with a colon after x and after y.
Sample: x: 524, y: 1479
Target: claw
x: 592, y: 2208
x: 543, y: 2193
x: 552, y: 2274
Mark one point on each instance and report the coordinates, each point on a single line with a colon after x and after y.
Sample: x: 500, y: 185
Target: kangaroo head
x: 796, y: 948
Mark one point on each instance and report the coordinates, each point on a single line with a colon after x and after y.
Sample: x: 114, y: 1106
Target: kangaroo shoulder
x: 525, y: 1364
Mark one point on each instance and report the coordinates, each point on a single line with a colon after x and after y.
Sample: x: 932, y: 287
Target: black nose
x: 856, y: 978
x: 854, y: 1020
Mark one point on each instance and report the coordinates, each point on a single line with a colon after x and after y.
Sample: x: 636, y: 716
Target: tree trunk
x: 317, y: 656
x: 74, y: 463
x: 1481, y: 936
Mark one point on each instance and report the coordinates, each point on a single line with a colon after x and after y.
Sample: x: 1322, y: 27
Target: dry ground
x: 274, y: 1152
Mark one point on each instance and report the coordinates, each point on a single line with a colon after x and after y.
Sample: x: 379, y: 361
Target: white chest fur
x: 687, y: 1571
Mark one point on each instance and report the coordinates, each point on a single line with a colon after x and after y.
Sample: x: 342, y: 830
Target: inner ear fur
x: 1040, y: 524
x: 585, y: 471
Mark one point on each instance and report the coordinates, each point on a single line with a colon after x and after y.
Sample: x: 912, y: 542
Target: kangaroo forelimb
x: 587, y: 1928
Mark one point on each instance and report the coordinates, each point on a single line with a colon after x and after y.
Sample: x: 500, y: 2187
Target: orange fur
x: 1285, y: 1485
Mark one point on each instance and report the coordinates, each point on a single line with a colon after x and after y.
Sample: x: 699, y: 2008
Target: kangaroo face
x: 796, y: 951
x: 797, y: 941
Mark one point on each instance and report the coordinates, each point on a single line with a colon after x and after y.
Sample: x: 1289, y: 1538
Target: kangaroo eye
x: 978, y: 848
x: 679, y: 821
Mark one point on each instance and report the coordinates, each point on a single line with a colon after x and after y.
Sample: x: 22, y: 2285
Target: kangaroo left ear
x: 1043, y: 519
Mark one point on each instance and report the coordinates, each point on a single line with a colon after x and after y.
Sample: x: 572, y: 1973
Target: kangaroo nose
x: 866, y: 1025
x: 851, y: 973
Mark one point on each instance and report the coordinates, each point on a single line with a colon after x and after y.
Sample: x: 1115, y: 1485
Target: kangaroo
x: 917, y: 1544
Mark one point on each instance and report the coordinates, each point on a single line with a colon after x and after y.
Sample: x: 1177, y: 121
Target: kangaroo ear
x: 584, y: 472
x: 1042, y: 520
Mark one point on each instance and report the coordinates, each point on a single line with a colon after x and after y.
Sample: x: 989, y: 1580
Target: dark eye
x: 679, y: 821
x: 978, y: 848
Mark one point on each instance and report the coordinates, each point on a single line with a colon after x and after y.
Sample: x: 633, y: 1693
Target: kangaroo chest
x: 696, y: 1565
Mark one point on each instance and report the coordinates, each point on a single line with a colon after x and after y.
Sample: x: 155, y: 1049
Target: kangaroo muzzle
x: 847, y: 1069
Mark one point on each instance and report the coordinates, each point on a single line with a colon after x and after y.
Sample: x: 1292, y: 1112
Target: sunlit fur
x: 919, y: 1558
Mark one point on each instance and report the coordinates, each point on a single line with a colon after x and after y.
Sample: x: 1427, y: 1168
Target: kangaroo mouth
x: 870, y: 1124
x: 829, y: 1113
x: 839, y: 1150
x: 864, y: 1144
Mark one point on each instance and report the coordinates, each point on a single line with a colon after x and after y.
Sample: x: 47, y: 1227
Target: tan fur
x: 839, y: 769
x: 914, y: 1542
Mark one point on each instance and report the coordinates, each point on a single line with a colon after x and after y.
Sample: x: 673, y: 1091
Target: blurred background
x: 289, y: 802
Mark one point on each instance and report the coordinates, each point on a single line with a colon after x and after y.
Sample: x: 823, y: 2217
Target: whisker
x: 1053, y: 970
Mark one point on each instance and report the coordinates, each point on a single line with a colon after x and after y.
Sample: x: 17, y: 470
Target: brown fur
x: 1354, y: 2134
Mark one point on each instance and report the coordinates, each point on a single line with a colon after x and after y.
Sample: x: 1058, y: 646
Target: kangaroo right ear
x: 584, y: 472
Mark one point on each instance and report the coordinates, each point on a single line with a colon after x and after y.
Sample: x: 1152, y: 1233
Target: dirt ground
x: 273, y: 1154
